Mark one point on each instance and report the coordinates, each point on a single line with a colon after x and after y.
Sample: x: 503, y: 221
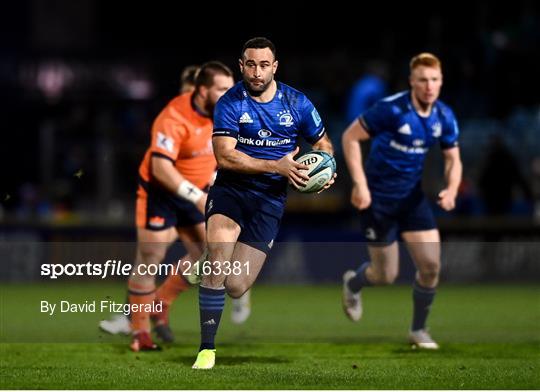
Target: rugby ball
x: 322, y: 167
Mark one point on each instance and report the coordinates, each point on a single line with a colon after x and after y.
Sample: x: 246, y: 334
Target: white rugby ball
x: 322, y: 167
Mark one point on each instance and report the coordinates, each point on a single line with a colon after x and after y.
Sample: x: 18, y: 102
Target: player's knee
x: 150, y: 255
x: 389, y: 277
x: 218, y: 250
x: 385, y: 277
x: 430, y: 270
x: 213, y: 248
x: 236, y: 290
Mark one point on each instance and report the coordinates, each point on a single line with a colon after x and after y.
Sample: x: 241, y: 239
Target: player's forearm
x: 324, y: 144
x: 167, y: 176
x: 353, y: 158
x: 452, y: 172
x: 237, y: 161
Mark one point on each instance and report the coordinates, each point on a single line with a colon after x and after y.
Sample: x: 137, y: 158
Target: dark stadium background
x: 80, y: 84
x: 81, y: 81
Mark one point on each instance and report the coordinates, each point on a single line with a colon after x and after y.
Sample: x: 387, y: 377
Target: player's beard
x: 257, y: 91
x: 209, y: 107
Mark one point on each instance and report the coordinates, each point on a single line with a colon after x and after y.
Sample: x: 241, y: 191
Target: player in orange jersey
x: 120, y: 323
x: 176, y: 170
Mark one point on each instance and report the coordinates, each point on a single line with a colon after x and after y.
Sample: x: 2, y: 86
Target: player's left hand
x: 447, y: 199
x: 332, y: 180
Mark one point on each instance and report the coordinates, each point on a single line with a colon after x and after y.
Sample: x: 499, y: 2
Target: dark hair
x: 205, y: 76
x: 258, y: 43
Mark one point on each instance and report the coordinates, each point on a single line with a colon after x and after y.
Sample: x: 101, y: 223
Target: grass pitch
x: 297, y: 338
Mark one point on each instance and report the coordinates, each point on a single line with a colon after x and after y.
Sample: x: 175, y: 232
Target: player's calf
x: 141, y: 299
x: 160, y: 320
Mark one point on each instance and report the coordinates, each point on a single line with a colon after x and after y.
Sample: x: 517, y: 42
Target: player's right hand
x: 360, y: 197
x: 291, y: 169
x: 201, y: 204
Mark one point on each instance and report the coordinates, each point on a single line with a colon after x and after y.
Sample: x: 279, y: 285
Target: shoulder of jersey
x: 398, y: 103
x: 181, y: 103
x: 180, y: 108
x: 235, y: 93
x: 292, y: 95
x: 445, y: 110
x: 176, y: 102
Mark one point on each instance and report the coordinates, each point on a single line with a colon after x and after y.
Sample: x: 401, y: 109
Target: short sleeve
x: 378, y: 118
x: 311, y: 126
x: 167, y: 135
x: 225, y: 119
x: 450, y: 130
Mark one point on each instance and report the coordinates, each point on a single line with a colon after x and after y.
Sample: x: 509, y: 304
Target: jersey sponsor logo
x: 405, y: 129
x: 264, y: 133
x: 316, y: 118
x: 437, y: 129
x: 275, y: 143
x: 156, y: 221
x: 285, y: 118
x: 408, y: 149
x: 245, y: 118
x: 263, y: 142
x: 165, y: 142
x: 246, y: 140
x: 210, y: 205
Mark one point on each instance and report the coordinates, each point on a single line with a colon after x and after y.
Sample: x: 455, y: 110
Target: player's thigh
x: 384, y: 259
x: 152, y: 244
x: 155, y: 220
x: 222, y: 233
x: 424, y: 247
x: 224, y: 219
x: 419, y: 231
x: 246, y: 263
x: 379, y: 224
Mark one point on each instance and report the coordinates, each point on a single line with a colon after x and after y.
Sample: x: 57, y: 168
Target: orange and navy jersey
x: 183, y: 135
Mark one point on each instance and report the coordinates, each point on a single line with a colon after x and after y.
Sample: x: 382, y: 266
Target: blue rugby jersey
x: 266, y: 130
x: 400, y: 140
